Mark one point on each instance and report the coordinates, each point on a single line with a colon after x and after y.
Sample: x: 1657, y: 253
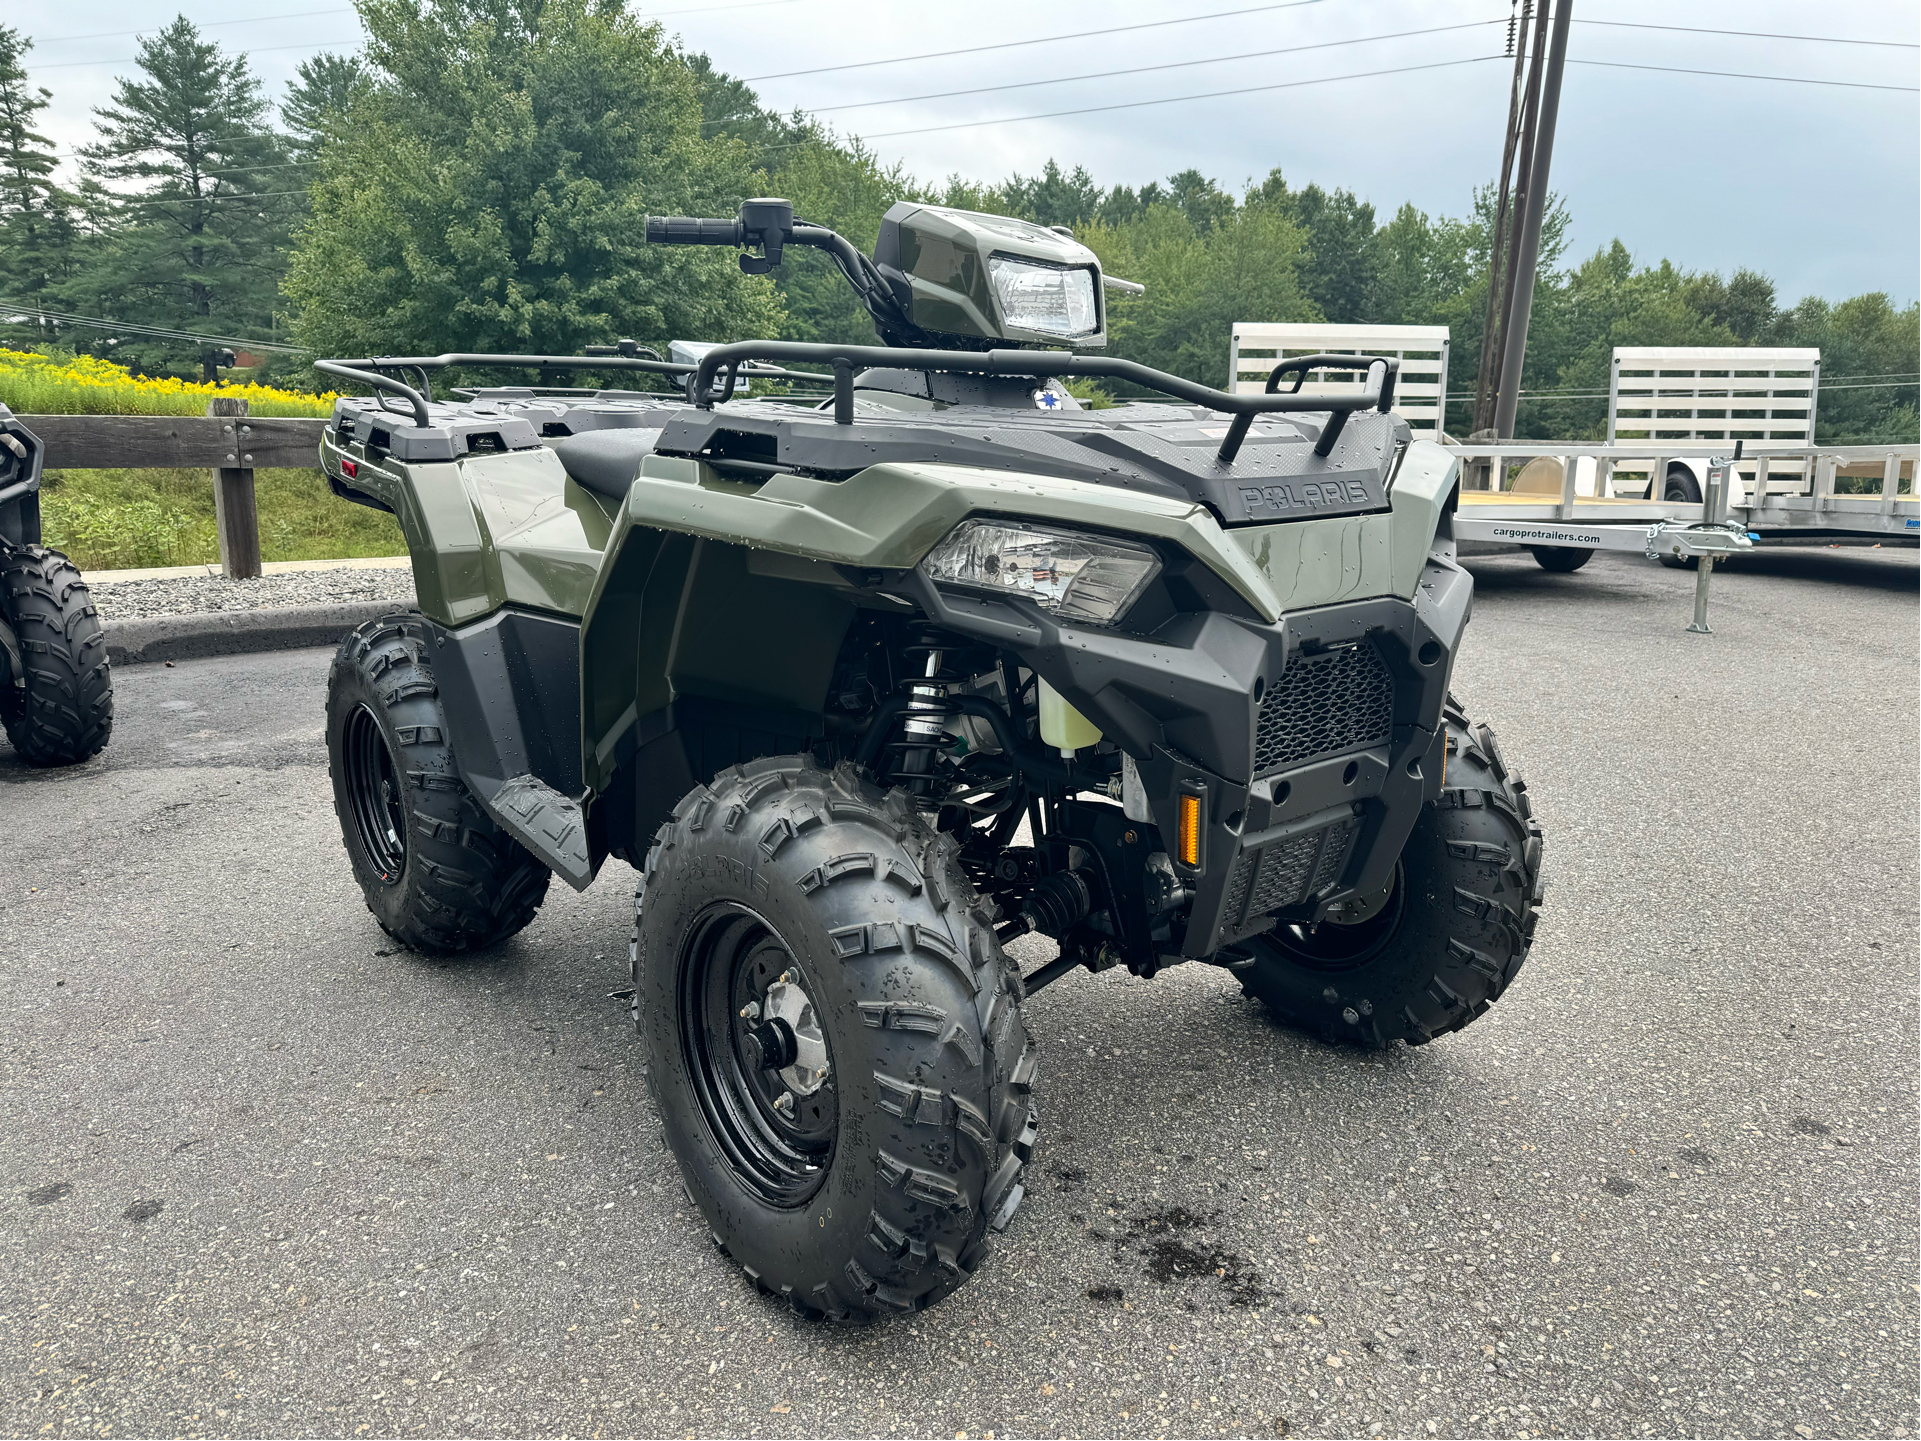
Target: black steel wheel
x: 1339, y: 945
x: 437, y: 871
x: 758, y: 1056
x: 373, y: 794
x: 833, y: 1038
x: 1449, y: 936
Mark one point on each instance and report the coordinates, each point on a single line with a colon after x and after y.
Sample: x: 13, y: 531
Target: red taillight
x: 349, y: 469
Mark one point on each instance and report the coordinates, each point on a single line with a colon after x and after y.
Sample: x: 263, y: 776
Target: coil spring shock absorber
x: 924, y: 732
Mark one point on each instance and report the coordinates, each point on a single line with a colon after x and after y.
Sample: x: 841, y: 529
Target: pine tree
x: 36, y: 229
x: 200, y: 243
x: 319, y: 100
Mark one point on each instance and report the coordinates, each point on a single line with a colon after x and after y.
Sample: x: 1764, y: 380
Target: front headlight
x: 1052, y: 299
x: 1085, y: 578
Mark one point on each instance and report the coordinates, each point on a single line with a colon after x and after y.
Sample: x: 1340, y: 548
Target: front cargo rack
x: 713, y: 379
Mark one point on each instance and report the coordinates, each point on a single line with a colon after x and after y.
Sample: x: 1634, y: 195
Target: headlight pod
x: 1077, y: 577
x: 1050, y: 299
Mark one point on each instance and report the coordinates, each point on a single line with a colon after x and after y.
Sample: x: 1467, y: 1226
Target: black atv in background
x: 56, y: 693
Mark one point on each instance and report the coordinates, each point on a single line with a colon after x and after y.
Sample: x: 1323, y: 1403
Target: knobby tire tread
x: 942, y: 1008
x: 65, y: 714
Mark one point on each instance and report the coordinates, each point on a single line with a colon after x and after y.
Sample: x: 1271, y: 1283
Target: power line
x: 159, y: 332
x: 201, y: 199
x: 209, y: 25
x: 1178, y: 99
x: 1144, y: 69
x: 1750, y: 34
x: 308, y: 14
x: 1743, y: 75
x: 256, y: 50
x: 1042, y: 40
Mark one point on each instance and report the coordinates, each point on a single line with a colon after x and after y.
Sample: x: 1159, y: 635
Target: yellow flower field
x: 35, y: 384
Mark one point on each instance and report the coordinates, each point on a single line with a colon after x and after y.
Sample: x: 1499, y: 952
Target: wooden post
x: 235, y: 516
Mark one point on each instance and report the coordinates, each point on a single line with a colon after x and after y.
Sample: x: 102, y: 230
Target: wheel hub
x: 801, y: 1052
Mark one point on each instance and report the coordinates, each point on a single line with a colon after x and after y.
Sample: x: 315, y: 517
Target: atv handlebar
x: 691, y: 230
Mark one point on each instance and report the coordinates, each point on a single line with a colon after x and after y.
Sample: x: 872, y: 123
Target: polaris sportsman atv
x: 56, y: 690
x: 873, y: 667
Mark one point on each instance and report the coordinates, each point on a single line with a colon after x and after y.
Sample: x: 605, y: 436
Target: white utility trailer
x: 1420, y: 395
x: 1695, y: 401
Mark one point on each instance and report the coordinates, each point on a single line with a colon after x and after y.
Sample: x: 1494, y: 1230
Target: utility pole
x: 1521, y: 278
x: 1499, y: 243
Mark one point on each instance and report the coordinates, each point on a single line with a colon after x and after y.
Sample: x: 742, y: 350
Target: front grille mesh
x: 1323, y: 704
x: 1286, y: 873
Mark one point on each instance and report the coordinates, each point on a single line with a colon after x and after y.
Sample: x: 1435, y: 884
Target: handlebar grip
x: 690, y: 230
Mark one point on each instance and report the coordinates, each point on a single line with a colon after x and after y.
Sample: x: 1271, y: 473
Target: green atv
x: 56, y: 688
x: 871, y: 667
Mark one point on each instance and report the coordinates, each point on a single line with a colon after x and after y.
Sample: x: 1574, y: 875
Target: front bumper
x: 1312, y: 742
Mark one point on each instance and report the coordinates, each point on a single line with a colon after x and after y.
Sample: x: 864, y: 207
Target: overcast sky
x: 1818, y: 186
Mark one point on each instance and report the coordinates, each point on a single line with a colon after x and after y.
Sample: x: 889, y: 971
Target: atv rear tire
x: 1454, y: 930
x: 439, y: 874
x: 65, y: 713
x: 865, y: 1187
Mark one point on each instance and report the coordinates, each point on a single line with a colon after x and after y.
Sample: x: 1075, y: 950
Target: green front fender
x: 731, y: 591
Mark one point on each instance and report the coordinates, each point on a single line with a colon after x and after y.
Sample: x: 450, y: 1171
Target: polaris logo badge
x: 1309, y: 495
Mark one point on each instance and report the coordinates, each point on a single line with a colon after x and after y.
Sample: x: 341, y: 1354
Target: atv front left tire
x: 438, y: 872
x: 64, y: 713
x: 833, y: 1038
x: 1452, y: 933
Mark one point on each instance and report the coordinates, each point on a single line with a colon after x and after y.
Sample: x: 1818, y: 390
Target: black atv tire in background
x: 872, y: 1193
x: 1453, y: 932
x: 65, y: 713
x: 439, y: 874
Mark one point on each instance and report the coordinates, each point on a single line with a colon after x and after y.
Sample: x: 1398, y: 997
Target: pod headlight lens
x: 1088, y: 579
x: 1051, y: 299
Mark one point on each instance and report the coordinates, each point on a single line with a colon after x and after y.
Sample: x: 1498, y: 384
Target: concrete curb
x: 237, y: 632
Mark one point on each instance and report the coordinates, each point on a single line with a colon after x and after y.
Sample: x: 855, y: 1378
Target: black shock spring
x: 923, y: 731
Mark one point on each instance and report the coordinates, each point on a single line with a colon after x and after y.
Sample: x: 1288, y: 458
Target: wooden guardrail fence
x: 229, y: 442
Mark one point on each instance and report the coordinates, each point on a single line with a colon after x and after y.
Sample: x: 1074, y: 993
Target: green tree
x: 492, y: 191
x: 1243, y: 267
x: 319, y: 100
x: 847, y: 189
x: 1052, y: 198
x: 729, y: 109
x: 37, y: 233
x: 200, y: 242
x: 1339, y: 269
x: 1870, y: 355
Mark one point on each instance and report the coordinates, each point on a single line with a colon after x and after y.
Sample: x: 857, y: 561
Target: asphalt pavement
x: 262, y: 1172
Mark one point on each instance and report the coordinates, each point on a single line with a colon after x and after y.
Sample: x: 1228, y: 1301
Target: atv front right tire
x: 1452, y: 933
x: 833, y: 1038
x: 438, y: 872
x: 64, y: 714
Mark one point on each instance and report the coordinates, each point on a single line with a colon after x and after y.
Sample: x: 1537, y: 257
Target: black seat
x: 606, y: 461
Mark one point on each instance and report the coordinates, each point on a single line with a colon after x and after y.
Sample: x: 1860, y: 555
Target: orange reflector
x: 1190, y: 831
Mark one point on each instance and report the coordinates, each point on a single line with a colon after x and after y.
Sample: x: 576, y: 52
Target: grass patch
x: 128, y: 519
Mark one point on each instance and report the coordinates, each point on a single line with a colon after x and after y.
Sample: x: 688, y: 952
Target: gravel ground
x: 185, y: 595
x: 264, y: 1173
